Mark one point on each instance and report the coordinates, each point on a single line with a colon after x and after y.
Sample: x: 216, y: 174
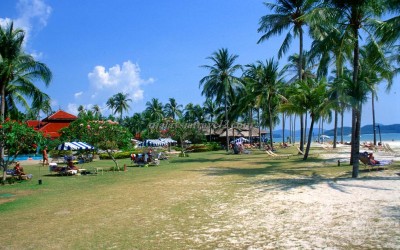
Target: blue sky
x: 149, y: 49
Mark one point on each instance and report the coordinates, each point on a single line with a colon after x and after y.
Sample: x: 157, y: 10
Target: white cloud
x: 32, y: 14
x: 78, y: 94
x: 125, y: 79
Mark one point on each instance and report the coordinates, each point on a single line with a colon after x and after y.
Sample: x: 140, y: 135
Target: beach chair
x: 274, y: 155
x: 383, y: 164
x: 390, y: 150
x: 299, y: 150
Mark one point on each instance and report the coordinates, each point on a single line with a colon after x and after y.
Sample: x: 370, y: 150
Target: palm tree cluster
x: 355, y: 46
x: 352, y: 51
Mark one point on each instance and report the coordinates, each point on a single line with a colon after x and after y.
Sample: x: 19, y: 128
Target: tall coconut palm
x: 173, y: 109
x: 330, y: 46
x: 314, y: 96
x: 374, y: 68
x: 221, y: 81
x: 96, y: 111
x: 267, y: 80
x: 155, y: 110
x: 211, y: 110
x: 81, y: 111
x: 352, y: 16
x: 194, y: 113
x: 292, y: 15
x: 119, y: 103
x: 19, y: 71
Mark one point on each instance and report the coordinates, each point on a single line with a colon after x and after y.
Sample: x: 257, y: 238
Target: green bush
x: 210, y: 146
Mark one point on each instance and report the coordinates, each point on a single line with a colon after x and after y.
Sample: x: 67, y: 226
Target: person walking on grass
x: 45, y: 157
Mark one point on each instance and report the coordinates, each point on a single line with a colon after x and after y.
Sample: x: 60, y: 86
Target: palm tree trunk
x: 373, y: 116
x: 251, y: 126
x: 3, y: 109
x: 335, y: 129
x: 259, y: 128
x: 283, y: 128
x: 341, y: 126
x: 355, y: 144
x: 226, y: 123
x: 300, y: 75
x: 302, y: 132
x: 309, y: 139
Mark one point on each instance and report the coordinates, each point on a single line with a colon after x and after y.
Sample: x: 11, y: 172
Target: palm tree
x: 155, y: 110
x: 330, y: 46
x: 119, y: 103
x: 311, y: 95
x: 210, y: 110
x: 96, y: 111
x: 189, y: 113
x: 19, y: 71
x: 265, y: 84
x: 172, y: 109
x: 289, y: 14
x: 374, y: 68
x: 81, y: 111
x: 351, y: 16
x: 221, y: 81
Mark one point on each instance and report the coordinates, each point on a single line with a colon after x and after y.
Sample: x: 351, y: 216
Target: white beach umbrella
x: 74, y: 146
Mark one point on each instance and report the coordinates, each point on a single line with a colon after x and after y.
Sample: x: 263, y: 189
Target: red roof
x: 60, y: 115
x: 51, y: 125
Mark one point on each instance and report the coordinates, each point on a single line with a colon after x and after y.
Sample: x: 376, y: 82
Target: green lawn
x: 142, y: 208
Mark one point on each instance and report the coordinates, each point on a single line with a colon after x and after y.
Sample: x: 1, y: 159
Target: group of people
x: 142, y: 158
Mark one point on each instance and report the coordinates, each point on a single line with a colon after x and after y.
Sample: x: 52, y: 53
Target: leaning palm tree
x: 210, y: 110
x: 19, y: 71
x: 313, y: 96
x: 292, y: 15
x: 119, y: 103
x: 221, y: 81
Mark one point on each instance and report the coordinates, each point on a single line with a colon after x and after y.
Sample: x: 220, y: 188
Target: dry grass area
x: 208, y: 201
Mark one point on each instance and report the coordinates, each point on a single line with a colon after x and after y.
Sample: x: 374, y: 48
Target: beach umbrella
x: 74, y: 146
x: 240, y: 139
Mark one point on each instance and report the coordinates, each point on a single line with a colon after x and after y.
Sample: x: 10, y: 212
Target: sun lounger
x: 274, y: 155
x: 367, y: 162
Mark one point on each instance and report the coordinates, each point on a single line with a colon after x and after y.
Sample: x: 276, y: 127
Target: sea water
x: 363, y: 138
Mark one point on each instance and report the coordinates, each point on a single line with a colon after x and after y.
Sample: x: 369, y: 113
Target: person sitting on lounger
x: 70, y: 166
x: 372, y: 159
x: 18, y: 170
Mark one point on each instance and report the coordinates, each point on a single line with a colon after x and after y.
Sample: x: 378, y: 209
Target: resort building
x: 51, y: 125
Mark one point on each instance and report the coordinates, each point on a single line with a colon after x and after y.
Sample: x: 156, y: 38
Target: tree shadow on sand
x: 276, y: 177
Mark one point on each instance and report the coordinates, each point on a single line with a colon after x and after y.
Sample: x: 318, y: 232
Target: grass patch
x: 170, y: 205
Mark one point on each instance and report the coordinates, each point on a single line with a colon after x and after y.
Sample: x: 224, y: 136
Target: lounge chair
x: 391, y: 151
x: 273, y: 155
x: 299, y: 150
x: 368, y: 164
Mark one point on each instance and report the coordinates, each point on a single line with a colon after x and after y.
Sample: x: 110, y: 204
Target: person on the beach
x: 372, y: 159
x: 70, y: 165
x: 18, y: 170
x: 45, y: 157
